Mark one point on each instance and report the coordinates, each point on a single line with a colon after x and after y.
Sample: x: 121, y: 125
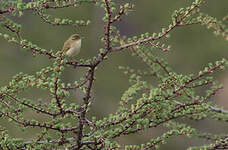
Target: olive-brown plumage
x: 72, y: 46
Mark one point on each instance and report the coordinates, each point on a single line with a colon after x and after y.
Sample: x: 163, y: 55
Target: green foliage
x: 157, y: 96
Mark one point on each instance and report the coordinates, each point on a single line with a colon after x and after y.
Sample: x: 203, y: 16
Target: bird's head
x: 75, y: 37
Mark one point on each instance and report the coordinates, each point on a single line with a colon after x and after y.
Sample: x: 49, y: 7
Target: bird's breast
x: 75, y: 48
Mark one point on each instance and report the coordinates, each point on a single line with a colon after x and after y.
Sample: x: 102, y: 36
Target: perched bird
x: 72, y: 46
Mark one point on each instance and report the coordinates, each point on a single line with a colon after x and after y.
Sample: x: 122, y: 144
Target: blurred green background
x: 192, y: 48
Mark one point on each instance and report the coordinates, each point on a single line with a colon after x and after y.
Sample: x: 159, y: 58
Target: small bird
x: 72, y: 46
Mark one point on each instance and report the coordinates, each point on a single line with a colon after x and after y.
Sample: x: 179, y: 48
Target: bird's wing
x: 66, y: 46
